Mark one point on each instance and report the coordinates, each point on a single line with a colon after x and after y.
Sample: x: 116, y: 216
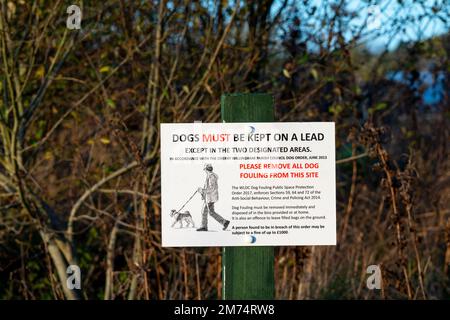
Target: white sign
x: 248, y: 184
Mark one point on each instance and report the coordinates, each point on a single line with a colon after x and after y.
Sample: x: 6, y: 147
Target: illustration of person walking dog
x: 210, y: 195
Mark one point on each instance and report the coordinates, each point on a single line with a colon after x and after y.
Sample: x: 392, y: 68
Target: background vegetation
x: 79, y: 147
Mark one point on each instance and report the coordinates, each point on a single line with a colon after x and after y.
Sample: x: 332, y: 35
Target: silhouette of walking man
x: 210, y: 195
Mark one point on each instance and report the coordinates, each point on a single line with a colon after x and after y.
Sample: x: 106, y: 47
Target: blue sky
x: 379, y: 19
x: 428, y: 18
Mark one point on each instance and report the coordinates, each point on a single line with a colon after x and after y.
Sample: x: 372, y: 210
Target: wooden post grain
x: 248, y: 272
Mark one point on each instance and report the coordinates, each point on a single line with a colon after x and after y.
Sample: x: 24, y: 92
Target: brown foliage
x: 79, y: 149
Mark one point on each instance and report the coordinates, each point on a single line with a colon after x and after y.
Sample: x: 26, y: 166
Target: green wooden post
x: 247, y: 272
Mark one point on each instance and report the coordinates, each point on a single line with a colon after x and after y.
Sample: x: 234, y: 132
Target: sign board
x: 248, y: 184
